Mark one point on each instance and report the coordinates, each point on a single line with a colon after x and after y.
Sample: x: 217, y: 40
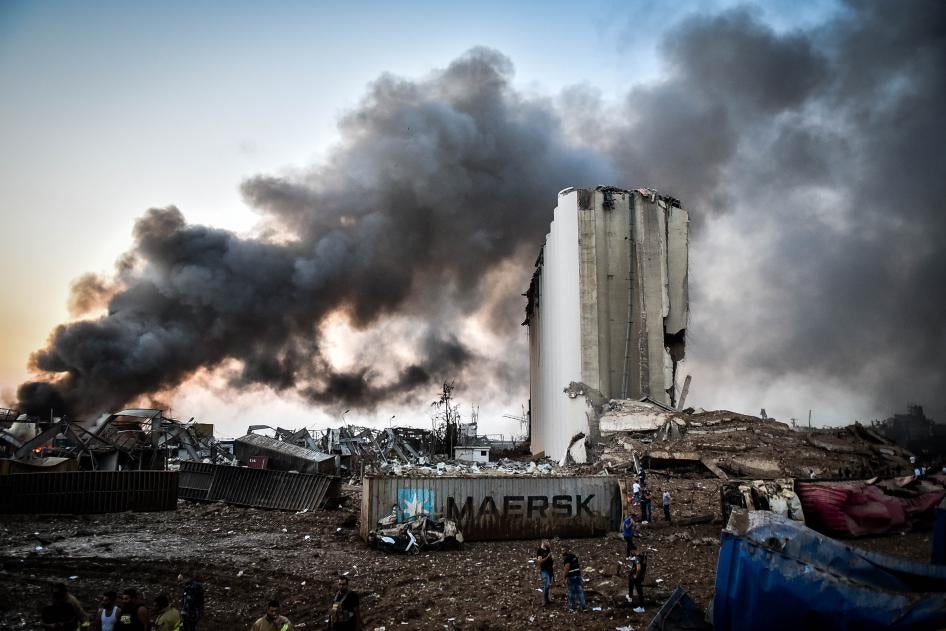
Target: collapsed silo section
x: 607, y: 311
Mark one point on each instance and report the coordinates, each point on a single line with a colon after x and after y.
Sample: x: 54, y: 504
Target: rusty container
x: 499, y: 507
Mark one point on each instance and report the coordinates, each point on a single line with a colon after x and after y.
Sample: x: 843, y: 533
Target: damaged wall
x: 607, y: 307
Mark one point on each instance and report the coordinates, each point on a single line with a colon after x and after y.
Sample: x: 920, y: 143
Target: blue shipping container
x: 774, y: 573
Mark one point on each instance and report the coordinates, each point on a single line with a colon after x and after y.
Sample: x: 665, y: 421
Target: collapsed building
x: 918, y: 433
x: 607, y: 309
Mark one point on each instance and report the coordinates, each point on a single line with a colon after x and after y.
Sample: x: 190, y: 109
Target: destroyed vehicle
x: 420, y: 532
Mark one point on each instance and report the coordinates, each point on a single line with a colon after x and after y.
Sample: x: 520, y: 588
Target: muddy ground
x: 247, y: 556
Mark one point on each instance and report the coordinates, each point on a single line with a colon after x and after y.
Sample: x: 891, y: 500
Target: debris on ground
x: 418, y: 533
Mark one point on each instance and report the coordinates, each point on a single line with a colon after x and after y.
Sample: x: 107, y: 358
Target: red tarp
x: 855, y: 508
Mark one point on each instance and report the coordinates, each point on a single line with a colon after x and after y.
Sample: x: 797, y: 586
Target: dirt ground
x: 247, y: 556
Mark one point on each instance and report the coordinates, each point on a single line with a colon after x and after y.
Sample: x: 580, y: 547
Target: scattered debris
x: 777, y: 496
x: 420, y: 532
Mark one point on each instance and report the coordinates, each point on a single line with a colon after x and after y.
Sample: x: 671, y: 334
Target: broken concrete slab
x: 632, y: 416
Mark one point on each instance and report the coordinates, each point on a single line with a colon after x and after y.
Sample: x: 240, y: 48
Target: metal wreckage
x: 842, y: 482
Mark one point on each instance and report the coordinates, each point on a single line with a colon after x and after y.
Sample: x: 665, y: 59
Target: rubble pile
x: 133, y: 439
x: 725, y: 444
x: 544, y: 467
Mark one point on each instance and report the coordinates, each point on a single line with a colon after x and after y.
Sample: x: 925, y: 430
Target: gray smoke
x: 438, y: 185
x: 818, y: 150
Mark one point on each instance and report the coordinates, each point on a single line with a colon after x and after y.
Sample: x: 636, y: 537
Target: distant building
x: 914, y: 431
x: 472, y: 453
x: 607, y: 308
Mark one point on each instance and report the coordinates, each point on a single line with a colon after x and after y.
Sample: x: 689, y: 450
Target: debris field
x: 246, y: 556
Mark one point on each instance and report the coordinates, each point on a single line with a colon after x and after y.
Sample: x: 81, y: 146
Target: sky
x: 234, y: 112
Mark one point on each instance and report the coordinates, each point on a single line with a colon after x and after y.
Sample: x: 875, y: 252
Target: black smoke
x: 438, y: 184
x: 818, y: 151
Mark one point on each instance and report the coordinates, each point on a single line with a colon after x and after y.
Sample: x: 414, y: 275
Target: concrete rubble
x: 505, y: 466
x: 732, y: 445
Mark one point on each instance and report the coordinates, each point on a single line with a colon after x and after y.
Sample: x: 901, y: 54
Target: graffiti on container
x: 416, y: 502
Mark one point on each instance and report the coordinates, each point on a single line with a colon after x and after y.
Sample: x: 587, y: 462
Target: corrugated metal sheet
x: 775, y: 574
x: 283, y: 456
x: 500, y: 507
x: 260, y: 488
x: 88, y: 492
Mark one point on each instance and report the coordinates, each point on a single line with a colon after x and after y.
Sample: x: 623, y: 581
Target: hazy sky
x: 110, y: 109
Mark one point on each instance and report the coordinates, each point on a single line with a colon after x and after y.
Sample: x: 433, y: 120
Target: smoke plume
x: 810, y: 161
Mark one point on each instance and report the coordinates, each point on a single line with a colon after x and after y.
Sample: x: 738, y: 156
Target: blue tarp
x: 774, y: 573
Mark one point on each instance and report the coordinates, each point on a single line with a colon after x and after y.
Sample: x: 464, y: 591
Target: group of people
x: 573, y: 582
x: 635, y: 558
x: 642, y: 496
x: 127, y: 611
x: 345, y: 614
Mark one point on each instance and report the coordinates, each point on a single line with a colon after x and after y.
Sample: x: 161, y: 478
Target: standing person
x: 133, y: 615
x: 346, y: 612
x: 576, y: 591
x: 272, y: 621
x: 167, y: 618
x: 637, y: 492
x: 666, y: 502
x: 59, y: 615
x: 543, y: 556
x: 646, y: 499
x: 192, y: 600
x: 628, y: 527
x: 637, y: 566
x: 107, y: 615
x: 83, y: 622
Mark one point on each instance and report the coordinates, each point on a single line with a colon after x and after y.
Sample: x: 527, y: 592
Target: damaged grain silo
x: 607, y: 309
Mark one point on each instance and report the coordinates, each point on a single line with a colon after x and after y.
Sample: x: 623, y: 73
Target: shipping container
x: 283, y: 456
x: 261, y: 488
x: 82, y: 492
x: 258, y: 462
x: 499, y: 507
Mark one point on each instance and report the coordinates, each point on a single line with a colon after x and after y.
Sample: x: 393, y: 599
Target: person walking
x: 666, y: 503
x: 192, y: 600
x: 346, y: 608
x: 167, y: 618
x: 637, y: 566
x: 543, y: 557
x: 272, y: 620
x: 576, y: 591
x: 646, y: 499
x: 628, y: 528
